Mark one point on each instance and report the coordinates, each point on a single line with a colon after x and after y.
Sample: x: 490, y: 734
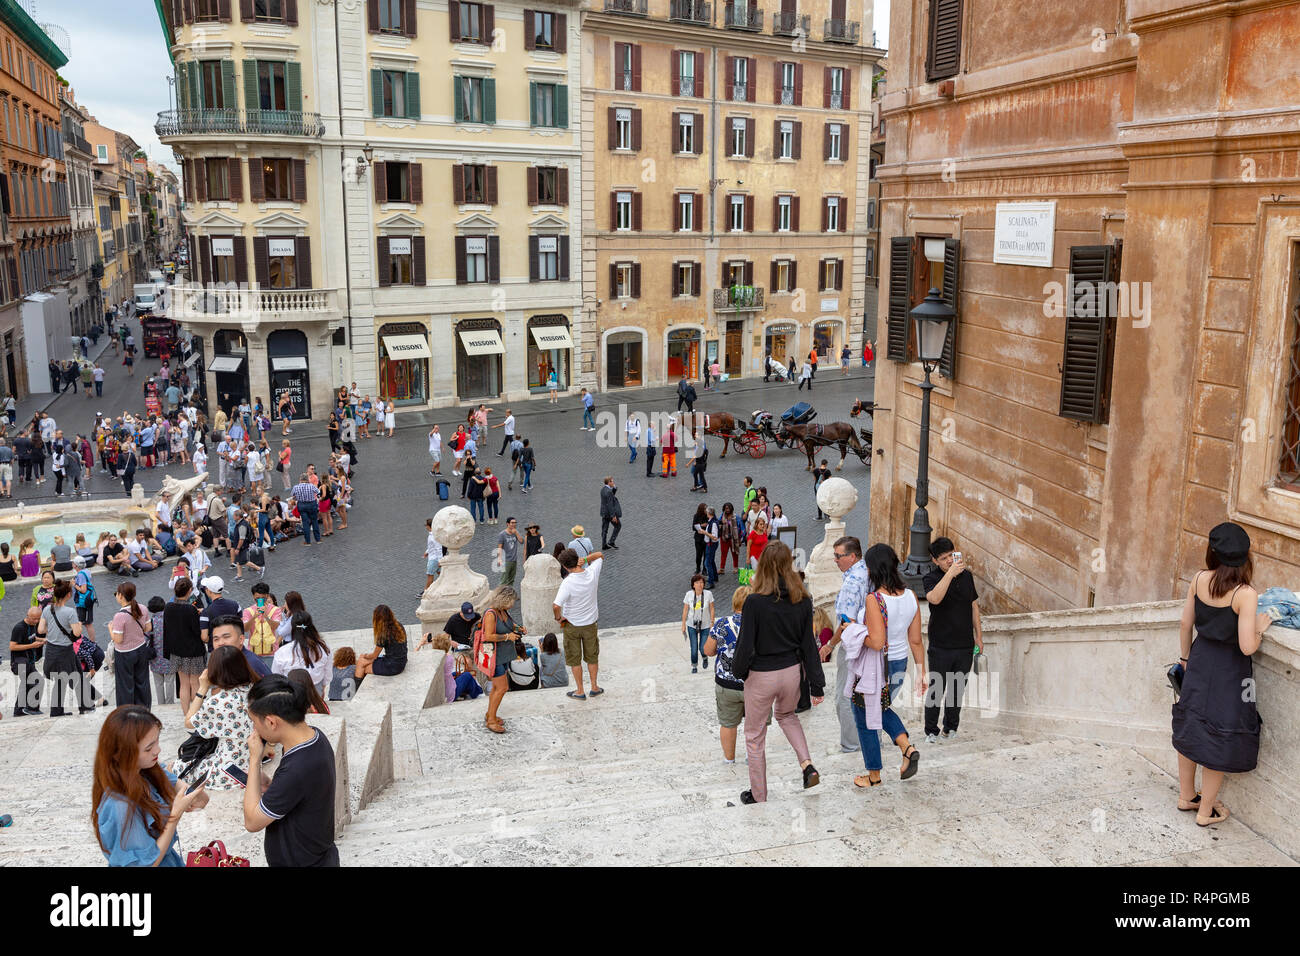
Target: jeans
x: 528, y: 475
x: 588, y: 419
x: 697, y: 473
x: 310, y: 521
x: 493, y: 503
x: 476, y: 509
x: 99, y: 389
x: 870, y: 739
x: 131, y: 677
x: 695, y: 638
x: 466, y: 685
x: 633, y: 456
x: 711, y: 564
x: 264, y: 528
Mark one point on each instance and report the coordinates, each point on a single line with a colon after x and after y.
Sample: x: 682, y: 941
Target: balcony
x: 787, y: 96
x: 748, y: 18
x: 738, y: 298
x: 790, y: 24
x: 835, y: 30
x: 234, y: 122
x: 691, y: 11
x: 73, y: 141
x: 198, y: 303
x: 629, y: 8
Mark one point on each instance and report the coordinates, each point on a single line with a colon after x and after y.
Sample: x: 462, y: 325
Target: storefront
x: 781, y: 342
x: 684, y: 353
x: 827, y: 336
x: 478, y: 358
x: 549, y: 349
x: 229, y: 369
x: 286, y: 351
x: 624, y: 353
x: 404, y: 363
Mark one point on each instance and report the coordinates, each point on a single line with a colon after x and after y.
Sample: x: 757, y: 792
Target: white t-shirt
x: 164, y: 512
x: 289, y: 657
x: 432, y: 548
x: 577, y: 595
x: 510, y: 424
x: 901, y: 610
x: 435, y: 443
x: 777, y: 522
x: 698, y: 607
x: 98, y: 373
x: 137, y: 548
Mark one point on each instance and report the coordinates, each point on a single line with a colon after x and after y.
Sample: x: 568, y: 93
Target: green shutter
x: 293, y: 85
x: 412, y: 95
x: 489, y: 101
x: 457, y: 97
x: 228, y: 84
x: 532, y: 104
x: 195, y: 86
x: 251, y: 100
x: 184, y: 94
x: 562, y: 106
x: 377, y: 91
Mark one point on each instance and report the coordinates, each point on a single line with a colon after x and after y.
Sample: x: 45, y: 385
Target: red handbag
x: 214, y: 854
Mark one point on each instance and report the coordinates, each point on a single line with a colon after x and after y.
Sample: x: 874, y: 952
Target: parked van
x: 146, y: 296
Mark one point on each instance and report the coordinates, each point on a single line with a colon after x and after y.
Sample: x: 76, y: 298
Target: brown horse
x: 722, y: 425
x: 813, y: 437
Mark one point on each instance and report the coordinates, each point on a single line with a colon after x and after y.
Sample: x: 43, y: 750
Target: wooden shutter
x: 844, y: 142
x: 699, y: 79
x: 412, y: 91
x: 695, y: 278
x: 636, y: 280
x: 847, y: 96
x: 612, y: 116
x: 223, y: 11
x: 191, y: 176
x: 826, y: 214
x: 261, y: 261
x: 408, y: 17
x: 460, y: 251
x: 227, y: 84
x: 776, y: 139
x: 748, y: 272
x: 794, y: 274
x: 771, y: 284
x: 794, y: 213
x: 613, y: 280
x: 240, y: 245
x: 490, y: 185
x: 636, y: 67
x: 251, y: 100
x: 1089, y: 334
x: 488, y: 22
x: 749, y: 213
x: 291, y: 12
x: 951, y: 295
x: 533, y: 255
x: 839, y: 275
x: 201, y: 179
x: 562, y: 186
x: 299, y: 180
x: 675, y: 80
x: 380, y: 173
x: 798, y: 140
x: 530, y: 38
x: 205, y: 258
x: 613, y: 210
x: 256, y: 183
x: 563, y: 258
x: 453, y: 19
x: 372, y: 15
x: 377, y: 92
x: 826, y: 87
x: 560, y: 33
x: 837, y: 9
x: 676, y: 280
x: 494, y: 258
x: 293, y: 86
x: 417, y: 182
x: 419, y: 274
x: 798, y: 84
x: 636, y: 212
x: 776, y: 213
x: 532, y: 175
x: 302, y: 252
x: 776, y: 82
x: 636, y: 129
x: 902, y: 253
x: 751, y: 80
x: 490, y: 101
x: 749, y: 137
x: 943, y: 45
x: 384, y: 261
x: 729, y: 77
x: 697, y: 211
x: 843, y: 216
x: 458, y: 184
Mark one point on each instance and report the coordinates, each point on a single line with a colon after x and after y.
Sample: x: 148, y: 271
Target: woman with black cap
x: 1216, y: 724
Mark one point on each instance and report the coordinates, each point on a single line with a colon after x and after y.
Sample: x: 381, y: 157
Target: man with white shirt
x: 223, y: 461
x: 509, y: 426
x: 48, y: 428
x: 432, y: 555
x: 164, y: 512
x: 577, y: 610
x: 141, y: 556
x: 649, y: 449
x: 435, y: 450
x: 633, y: 428
x: 199, y: 561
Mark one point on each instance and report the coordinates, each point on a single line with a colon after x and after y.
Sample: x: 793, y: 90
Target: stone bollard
x: 836, y: 497
x: 456, y: 583
x: 537, y: 593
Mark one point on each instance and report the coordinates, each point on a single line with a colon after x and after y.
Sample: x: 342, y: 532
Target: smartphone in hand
x: 236, y: 774
x: 196, y: 784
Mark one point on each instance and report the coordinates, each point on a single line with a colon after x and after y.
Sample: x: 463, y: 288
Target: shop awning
x: 551, y: 337
x: 482, y: 342
x: 290, y: 363
x: 226, y: 363
x: 403, y: 347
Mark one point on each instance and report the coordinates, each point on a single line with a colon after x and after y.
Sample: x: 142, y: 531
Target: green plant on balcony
x: 742, y: 296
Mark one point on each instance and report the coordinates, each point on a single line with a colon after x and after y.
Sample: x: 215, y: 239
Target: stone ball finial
x: 837, y: 497
x: 454, y: 527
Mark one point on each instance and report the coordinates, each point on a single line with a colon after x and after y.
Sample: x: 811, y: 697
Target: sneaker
x: 931, y: 738
x: 695, y: 670
x: 747, y: 797
x: 950, y: 734
x: 849, y: 750
x: 706, y: 663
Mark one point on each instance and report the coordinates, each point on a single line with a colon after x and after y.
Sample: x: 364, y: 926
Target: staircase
x: 635, y: 777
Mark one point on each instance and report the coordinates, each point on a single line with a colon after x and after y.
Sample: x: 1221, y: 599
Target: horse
x: 822, y: 436
x: 722, y: 425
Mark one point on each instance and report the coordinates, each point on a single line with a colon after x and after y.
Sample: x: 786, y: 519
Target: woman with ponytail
x: 135, y: 803
x: 129, y: 629
x: 308, y: 650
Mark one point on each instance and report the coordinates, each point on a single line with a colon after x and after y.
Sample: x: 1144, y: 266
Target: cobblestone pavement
x: 378, y: 559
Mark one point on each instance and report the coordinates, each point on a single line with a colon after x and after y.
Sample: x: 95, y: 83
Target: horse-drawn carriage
x: 793, y: 428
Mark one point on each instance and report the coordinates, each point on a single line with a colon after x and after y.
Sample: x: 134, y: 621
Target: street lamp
x: 931, y: 319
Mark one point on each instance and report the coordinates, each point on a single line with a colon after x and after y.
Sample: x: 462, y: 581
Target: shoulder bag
x: 214, y: 854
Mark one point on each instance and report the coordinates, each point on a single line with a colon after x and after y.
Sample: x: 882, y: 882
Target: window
x: 832, y: 275
x: 268, y: 9
x: 623, y: 211
x: 624, y: 288
x: 271, y: 91
x: 476, y: 259
x: 543, y: 26
x: 871, y: 214
x: 835, y: 91
x: 627, y: 67
x: 393, y: 93
x: 471, y: 23
x: 943, y: 46
x: 783, y: 275
x: 684, y: 281
x: 788, y: 84
x: 548, y: 257
x: 472, y: 100
x: 738, y: 139
x: 739, y: 78
x: 390, y: 16
x: 550, y: 105
x: 223, y: 259
x: 736, y: 207
x: 735, y: 273
x: 277, y: 179
x: 623, y: 128
x: 207, y: 10
x: 217, y: 173
x: 475, y: 178
x: 548, y: 192
x: 398, y: 181
x: 686, y: 132
x: 685, y: 212
x: 833, y: 215
x: 399, y: 260
x: 686, y: 74
x: 785, y: 139
x: 835, y: 142
x: 871, y: 262
x: 784, y: 216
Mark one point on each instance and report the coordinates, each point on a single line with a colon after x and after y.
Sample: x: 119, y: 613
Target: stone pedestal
x: 456, y: 583
x: 537, y: 593
x: 836, y: 497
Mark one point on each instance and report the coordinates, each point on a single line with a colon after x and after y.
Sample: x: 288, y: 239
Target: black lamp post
x: 931, y: 318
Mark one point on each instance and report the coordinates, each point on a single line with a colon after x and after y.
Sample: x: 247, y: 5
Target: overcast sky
x: 118, y: 61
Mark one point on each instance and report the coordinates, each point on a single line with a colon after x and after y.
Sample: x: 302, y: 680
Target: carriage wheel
x: 747, y: 443
x: 758, y: 449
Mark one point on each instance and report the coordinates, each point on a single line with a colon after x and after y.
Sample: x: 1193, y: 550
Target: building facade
x: 1124, y: 367
x: 85, y: 297
x: 725, y: 156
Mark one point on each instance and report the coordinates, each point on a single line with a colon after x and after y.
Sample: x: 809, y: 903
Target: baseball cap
x: 213, y: 583
x: 467, y: 608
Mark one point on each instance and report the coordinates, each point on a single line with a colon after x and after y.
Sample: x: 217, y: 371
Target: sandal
x: 913, y: 759
x: 575, y: 695
x: 870, y: 783
x: 1218, y: 813
x: 1192, y: 804
x: 494, y: 725
x: 810, y: 777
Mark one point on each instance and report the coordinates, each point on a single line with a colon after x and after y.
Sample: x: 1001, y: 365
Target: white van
x: 146, y: 294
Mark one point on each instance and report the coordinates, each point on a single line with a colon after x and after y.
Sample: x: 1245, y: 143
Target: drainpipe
x: 343, y: 184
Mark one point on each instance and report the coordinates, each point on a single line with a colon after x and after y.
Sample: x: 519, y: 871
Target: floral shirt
x: 223, y: 716
x: 724, y: 632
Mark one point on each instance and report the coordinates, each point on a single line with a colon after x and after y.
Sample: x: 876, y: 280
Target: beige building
x: 725, y: 154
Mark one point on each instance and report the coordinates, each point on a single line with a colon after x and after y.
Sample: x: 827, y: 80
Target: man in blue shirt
x: 850, y: 602
x: 588, y: 419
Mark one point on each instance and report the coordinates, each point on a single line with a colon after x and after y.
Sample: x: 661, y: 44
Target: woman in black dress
x: 1216, y: 724
x: 534, y: 543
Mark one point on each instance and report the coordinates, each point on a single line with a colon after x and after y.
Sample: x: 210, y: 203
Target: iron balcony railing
x: 790, y: 24
x: 691, y: 11
x: 686, y: 85
x: 738, y: 298
x: 246, y: 122
x: 631, y: 8
x: 741, y: 17
x: 836, y: 30
x: 837, y: 99
x: 73, y: 141
x: 787, y: 96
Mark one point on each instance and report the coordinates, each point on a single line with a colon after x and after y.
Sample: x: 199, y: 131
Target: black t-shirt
x: 24, y: 633
x: 112, y: 551
x: 301, y: 798
x: 181, y: 637
x: 460, y: 630
x: 951, y: 625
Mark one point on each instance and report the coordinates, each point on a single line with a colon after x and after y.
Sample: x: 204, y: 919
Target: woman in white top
x: 697, y: 619
x: 308, y: 651
x: 779, y: 520
x: 390, y: 418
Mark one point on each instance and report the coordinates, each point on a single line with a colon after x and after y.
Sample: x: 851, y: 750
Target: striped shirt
x: 305, y: 493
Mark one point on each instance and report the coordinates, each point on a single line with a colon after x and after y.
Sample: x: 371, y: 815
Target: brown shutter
x: 771, y: 285
x: 749, y: 213
x: 729, y: 77
x: 190, y: 175
x: 246, y: 11
x: 384, y: 261
x: 563, y: 271
x: 562, y: 186
x: 533, y: 254
x: 453, y: 19
x: 776, y: 213
x: 261, y: 261
x: 302, y: 252
x: 291, y: 12
x: 636, y: 67
x: 372, y: 15
x: 943, y: 42
x: 848, y: 89
x: 201, y: 179
x: 613, y: 210
x: 673, y: 129
x: 636, y: 212
x: 748, y: 272
x: 560, y: 35
x: 205, y: 260
x: 613, y: 280
x: 951, y: 295
x: 826, y: 87
x: 380, y: 172
x: 902, y: 250
x: 532, y: 177
x: 826, y: 141
x: 794, y: 214
x: 826, y: 214
x: 844, y: 213
x: 299, y: 180
x: 408, y: 17
x: 698, y: 137
x: 417, y: 182
x: 794, y: 274
x: 798, y: 84
x: 494, y: 258
x: 844, y: 141
x: 489, y: 13
x: 751, y: 80
x: 776, y: 82
x: 699, y: 80
x: 530, y: 39
x: 636, y: 280
x: 636, y: 129
x: 798, y: 140
x: 776, y: 138
x: 256, y: 182
x: 676, y: 280
x: 419, y: 274
x: 675, y: 80
x: 223, y: 11
x: 697, y: 211
x: 240, y: 245
x: 749, y: 138
x: 612, y: 115
x: 460, y: 252
x: 839, y: 275
x: 695, y: 278
x: 490, y: 189
x: 1089, y: 334
x: 458, y: 183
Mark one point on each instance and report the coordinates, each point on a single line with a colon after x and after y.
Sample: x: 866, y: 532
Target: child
x: 822, y: 627
x: 164, y: 679
x: 344, y: 682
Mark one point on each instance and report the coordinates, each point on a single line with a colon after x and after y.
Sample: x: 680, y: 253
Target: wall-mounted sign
x: 399, y: 247
x: 223, y: 247
x: 279, y: 247
x: 1024, y: 233
x: 476, y: 245
x: 547, y: 244
x: 830, y: 305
